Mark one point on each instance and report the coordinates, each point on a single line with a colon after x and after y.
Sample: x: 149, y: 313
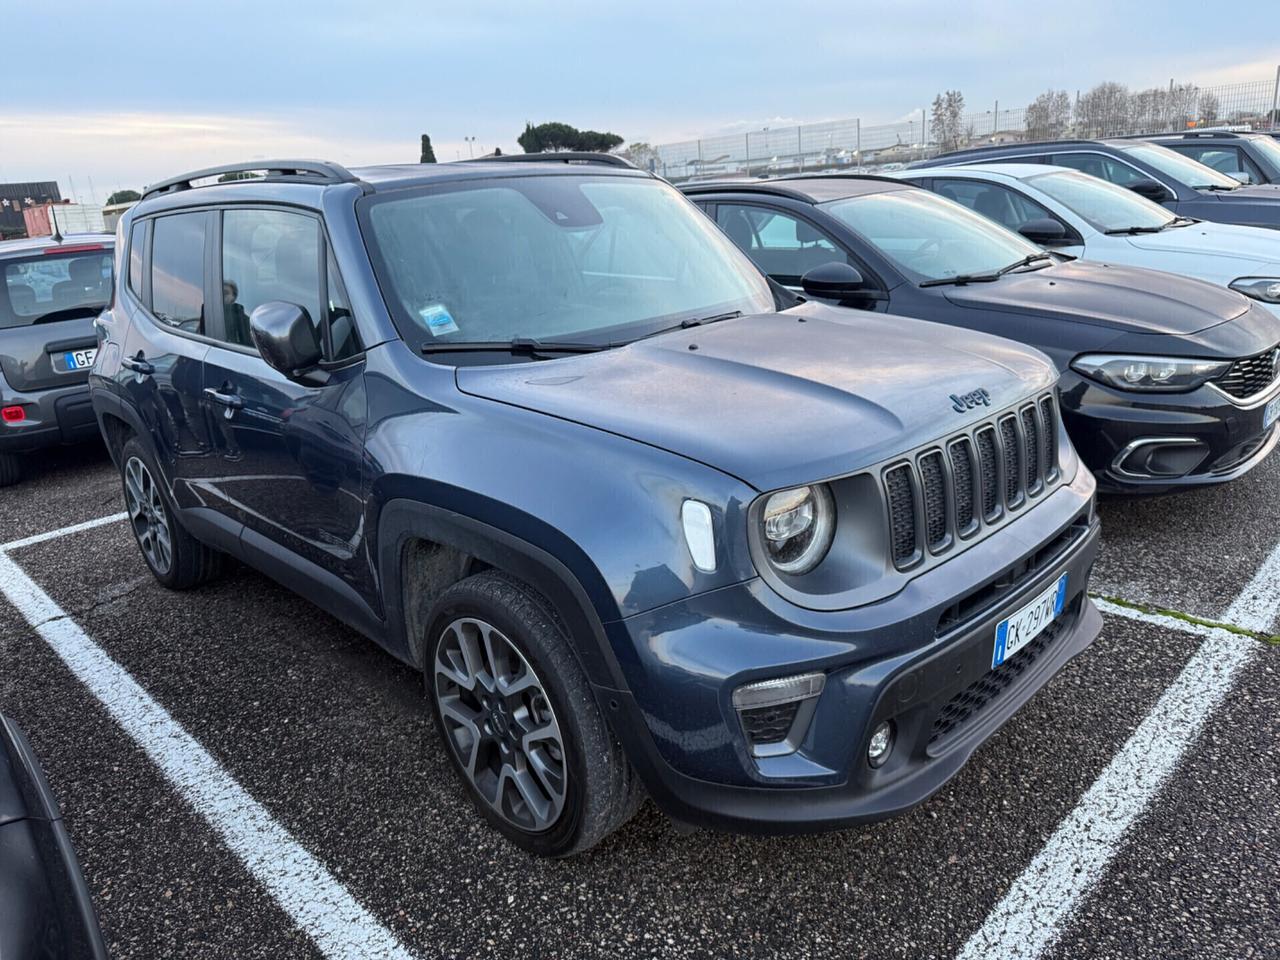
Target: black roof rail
x: 557, y: 156
x: 288, y: 171
x: 1183, y: 134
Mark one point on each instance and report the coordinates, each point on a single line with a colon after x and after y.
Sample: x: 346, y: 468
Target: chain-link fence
x: 1107, y: 110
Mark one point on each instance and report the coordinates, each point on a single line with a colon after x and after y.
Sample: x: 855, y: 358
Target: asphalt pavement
x: 331, y: 737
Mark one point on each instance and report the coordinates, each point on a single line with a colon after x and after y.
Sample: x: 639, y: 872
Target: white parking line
x: 321, y: 906
x: 1042, y: 899
x: 62, y: 532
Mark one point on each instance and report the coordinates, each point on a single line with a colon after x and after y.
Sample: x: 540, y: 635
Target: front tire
x: 174, y: 557
x: 519, y: 720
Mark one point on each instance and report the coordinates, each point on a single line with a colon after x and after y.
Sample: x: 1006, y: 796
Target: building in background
x: 46, y: 219
x: 15, y: 196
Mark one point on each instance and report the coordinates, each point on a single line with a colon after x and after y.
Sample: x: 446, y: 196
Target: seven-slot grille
x: 951, y: 489
x: 1252, y: 375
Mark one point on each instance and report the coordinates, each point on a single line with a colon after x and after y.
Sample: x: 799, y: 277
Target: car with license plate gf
x: 52, y: 289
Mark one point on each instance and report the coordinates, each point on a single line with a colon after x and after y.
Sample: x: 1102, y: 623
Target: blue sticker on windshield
x: 438, y: 320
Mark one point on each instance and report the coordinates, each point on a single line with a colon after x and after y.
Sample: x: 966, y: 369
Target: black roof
x: 1021, y: 146
x: 812, y: 188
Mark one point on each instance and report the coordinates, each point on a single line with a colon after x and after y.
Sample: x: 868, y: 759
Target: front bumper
x: 902, y: 659
x: 1160, y: 442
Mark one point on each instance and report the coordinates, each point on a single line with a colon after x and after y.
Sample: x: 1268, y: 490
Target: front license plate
x: 79, y: 359
x: 1270, y: 413
x: 1015, y: 632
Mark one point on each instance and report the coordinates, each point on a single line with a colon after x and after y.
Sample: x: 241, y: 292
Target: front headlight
x: 1149, y: 373
x: 797, y: 527
x: 1266, y: 289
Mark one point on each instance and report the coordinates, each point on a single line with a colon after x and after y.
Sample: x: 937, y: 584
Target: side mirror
x: 1241, y: 175
x: 1044, y: 231
x: 1151, y: 189
x: 286, y: 337
x: 832, y: 281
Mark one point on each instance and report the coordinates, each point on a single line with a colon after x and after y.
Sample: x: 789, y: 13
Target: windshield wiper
x: 960, y: 279
x: 1024, y: 262
x: 1218, y: 187
x: 517, y: 345
x: 1123, y: 231
x: 692, y: 322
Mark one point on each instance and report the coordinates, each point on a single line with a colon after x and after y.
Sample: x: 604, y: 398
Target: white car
x: 1074, y: 213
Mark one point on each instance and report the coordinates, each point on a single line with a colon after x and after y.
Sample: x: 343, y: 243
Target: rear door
x: 288, y: 459
x: 166, y: 296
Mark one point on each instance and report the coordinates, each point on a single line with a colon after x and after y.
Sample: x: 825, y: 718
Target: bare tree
x: 1104, y: 110
x: 1182, y: 105
x: 946, y: 121
x: 1049, y: 115
x: 1209, y: 108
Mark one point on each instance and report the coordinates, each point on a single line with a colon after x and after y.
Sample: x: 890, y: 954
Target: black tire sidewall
x: 532, y: 642
x: 133, y: 448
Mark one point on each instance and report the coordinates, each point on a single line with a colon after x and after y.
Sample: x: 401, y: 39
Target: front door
x: 288, y: 454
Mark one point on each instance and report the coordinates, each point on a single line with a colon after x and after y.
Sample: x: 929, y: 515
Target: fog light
x: 13, y: 414
x: 880, y: 745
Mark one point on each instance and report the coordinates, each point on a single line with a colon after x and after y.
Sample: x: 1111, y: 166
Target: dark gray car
x: 1247, y: 157
x: 1188, y: 188
x: 52, y: 289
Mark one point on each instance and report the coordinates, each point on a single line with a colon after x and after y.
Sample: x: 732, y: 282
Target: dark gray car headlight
x: 1169, y: 374
x: 797, y: 527
x: 1266, y: 289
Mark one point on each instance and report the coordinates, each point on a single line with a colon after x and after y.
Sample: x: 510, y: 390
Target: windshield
x: 1269, y: 148
x: 599, y: 259
x: 1181, y: 168
x: 55, y: 286
x: 929, y: 237
x: 1105, y: 205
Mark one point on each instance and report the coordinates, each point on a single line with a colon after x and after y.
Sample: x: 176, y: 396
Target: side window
x: 1098, y: 165
x: 137, y: 235
x: 267, y: 255
x: 344, y: 342
x: 996, y: 202
x: 783, y: 246
x: 177, y: 271
x: 1228, y: 160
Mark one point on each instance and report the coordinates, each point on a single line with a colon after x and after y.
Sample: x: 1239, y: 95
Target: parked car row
x: 661, y: 503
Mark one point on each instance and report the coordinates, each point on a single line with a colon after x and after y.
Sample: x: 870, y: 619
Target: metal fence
x: 1106, y: 111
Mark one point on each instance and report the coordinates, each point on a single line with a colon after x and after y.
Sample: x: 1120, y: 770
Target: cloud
x: 133, y: 149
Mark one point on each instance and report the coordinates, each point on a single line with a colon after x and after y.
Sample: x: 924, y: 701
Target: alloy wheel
x: 147, y: 514
x: 499, y: 721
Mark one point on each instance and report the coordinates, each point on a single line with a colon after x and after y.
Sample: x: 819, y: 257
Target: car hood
x: 1227, y: 240
x: 1250, y: 193
x: 1124, y: 299
x: 779, y: 399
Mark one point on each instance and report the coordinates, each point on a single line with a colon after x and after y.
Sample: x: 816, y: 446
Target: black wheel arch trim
x: 572, y: 584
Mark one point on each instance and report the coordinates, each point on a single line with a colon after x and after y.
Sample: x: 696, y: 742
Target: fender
x: 403, y: 519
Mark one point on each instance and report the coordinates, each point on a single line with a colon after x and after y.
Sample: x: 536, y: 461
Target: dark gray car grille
x: 995, y: 466
x: 1250, y: 376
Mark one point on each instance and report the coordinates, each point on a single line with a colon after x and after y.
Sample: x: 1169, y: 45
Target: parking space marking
x: 321, y: 906
x: 1029, y: 918
x: 62, y: 532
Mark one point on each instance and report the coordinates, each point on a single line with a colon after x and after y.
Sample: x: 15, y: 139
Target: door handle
x: 232, y: 401
x: 138, y: 365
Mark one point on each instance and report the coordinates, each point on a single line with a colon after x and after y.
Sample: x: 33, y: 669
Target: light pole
x: 470, y: 146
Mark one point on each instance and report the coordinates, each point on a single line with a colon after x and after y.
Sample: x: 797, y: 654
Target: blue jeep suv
x: 646, y: 521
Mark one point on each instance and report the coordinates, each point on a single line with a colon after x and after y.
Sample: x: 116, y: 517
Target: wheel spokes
x: 499, y: 723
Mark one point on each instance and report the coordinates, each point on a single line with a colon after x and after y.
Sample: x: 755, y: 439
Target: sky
x: 115, y: 94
